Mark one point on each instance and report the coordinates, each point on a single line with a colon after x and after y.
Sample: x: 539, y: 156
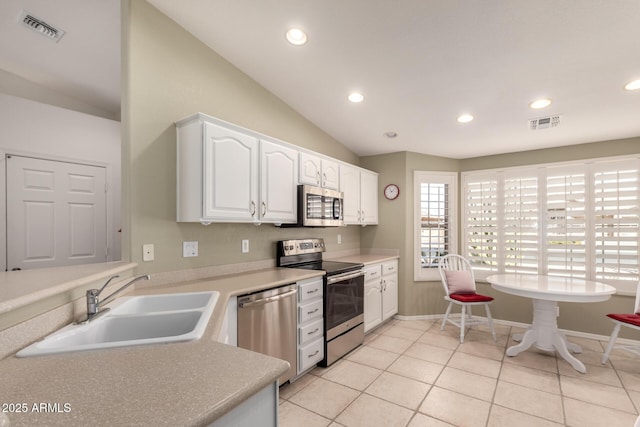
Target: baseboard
x: 578, y: 334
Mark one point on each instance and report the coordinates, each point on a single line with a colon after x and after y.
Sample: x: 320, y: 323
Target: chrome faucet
x: 94, y: 303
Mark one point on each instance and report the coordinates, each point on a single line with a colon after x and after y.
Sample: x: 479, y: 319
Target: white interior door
x: 56, y: 213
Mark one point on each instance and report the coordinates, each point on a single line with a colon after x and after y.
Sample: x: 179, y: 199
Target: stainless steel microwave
x: 319, y: 207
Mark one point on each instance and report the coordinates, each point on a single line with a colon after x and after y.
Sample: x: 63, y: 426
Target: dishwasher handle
x: 267, y: 300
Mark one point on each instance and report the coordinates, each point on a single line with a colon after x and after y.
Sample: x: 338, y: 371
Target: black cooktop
x: 330, y: 267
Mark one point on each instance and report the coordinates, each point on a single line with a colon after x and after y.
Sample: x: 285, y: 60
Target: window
x: 572, y: 220
x: 435, y: 221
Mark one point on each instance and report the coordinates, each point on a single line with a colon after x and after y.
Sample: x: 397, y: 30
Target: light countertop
x: 169, y: 384
x: 365, y: 259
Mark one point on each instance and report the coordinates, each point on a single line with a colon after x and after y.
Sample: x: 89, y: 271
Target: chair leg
x: 490, y: 319
x: 612, y: 341
x: 462, y: 317
x: 446, y: 315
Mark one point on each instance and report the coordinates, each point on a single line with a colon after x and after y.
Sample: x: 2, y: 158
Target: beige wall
x: 168, y: 75
x: 396, y: 230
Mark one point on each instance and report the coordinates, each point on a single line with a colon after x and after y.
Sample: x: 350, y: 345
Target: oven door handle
x: 267, y: 300
x: 339, y: 278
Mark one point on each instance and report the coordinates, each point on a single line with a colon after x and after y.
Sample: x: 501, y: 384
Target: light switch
x: 245, y: 246
x: 189, y: 249
x: 148, y: 252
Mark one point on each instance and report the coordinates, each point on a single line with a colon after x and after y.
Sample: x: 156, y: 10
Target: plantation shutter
x: 616, y: 221
x: 566, y: 222
x: 481, y: 220
x: 520, y: 226
x: 434, y: 222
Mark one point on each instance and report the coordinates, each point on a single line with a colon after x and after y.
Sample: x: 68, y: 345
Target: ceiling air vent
x: 39, y: 26
x: 544, y: 122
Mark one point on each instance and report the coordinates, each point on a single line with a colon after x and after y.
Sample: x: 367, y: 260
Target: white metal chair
x: 460, y: 288
x: 630, y: 320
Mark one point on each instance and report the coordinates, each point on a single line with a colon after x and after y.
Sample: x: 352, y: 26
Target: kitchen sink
x: 161, y: 303
x: 146, y: 319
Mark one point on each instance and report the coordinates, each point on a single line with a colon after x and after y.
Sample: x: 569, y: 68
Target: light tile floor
x: 409, y: 373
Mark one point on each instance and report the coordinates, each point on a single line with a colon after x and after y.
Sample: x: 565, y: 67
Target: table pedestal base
x: 545, y: 335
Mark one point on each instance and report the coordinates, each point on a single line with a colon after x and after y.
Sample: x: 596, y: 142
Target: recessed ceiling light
x: 634, y: 85
x: 296, y: 36
x: 356, y: 97
x: 465, y: 118
x: 540, y: 103
x: 391, y: 134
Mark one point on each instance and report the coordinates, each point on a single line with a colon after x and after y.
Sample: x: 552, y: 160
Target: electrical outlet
x: 245, y: 246
x: 189, y: 249
x: 339, y: 239
x: 148, y: 252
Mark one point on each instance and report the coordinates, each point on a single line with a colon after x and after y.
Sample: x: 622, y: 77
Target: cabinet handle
x: 264, y: 208
x: 314, y: 354
x: 313, y: 332
x: 313, y: 291
x: 253, y: 208
x: 324, y: 179
x: 318, y: 177
x: 313, y: 311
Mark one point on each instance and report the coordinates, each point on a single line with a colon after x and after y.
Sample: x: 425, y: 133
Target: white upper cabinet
x: 318, y: 171
x: 230, y: 175
x: 227, y: 174
x: 360, y: 188
x: 278, y: 177
x: 368, y: 197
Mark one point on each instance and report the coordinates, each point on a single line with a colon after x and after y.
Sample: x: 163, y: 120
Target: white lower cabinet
x: 389, y: 289
x: 310, y: 324
x: 380, y: 293
x: 261, y: 409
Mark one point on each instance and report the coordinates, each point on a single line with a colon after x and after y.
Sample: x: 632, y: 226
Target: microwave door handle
x: 336, y: 208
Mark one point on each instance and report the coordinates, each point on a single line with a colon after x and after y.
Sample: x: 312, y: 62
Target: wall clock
x: 391, y: 191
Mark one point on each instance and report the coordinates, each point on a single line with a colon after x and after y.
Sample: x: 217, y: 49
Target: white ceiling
x: 84, y: 65
x: 419, y: 64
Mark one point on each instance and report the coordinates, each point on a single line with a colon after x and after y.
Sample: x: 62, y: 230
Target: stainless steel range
x: 343, y: 294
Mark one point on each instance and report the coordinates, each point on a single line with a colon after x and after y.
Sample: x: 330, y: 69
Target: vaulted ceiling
x: 418, y: 63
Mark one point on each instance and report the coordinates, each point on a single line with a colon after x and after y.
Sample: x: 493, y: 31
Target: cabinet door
x: 389, y: 295
x: 372, y: 304
x: 230, y: 175
x: 369, y: 197
x: 330, y: 174
x: 278, y: 178
x: 310, y: 169
x: 350, y: 186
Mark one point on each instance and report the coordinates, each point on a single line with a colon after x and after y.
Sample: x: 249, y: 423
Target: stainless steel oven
x: 344, y: 314
x: 343, y: 294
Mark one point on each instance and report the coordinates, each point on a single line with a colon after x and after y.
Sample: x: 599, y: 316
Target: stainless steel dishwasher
x: 267, y: 324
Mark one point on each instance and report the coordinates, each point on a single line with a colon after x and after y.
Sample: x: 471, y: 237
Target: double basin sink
x: 137, y: 320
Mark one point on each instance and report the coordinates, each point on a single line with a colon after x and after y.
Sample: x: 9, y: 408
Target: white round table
x: 546, y: 291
